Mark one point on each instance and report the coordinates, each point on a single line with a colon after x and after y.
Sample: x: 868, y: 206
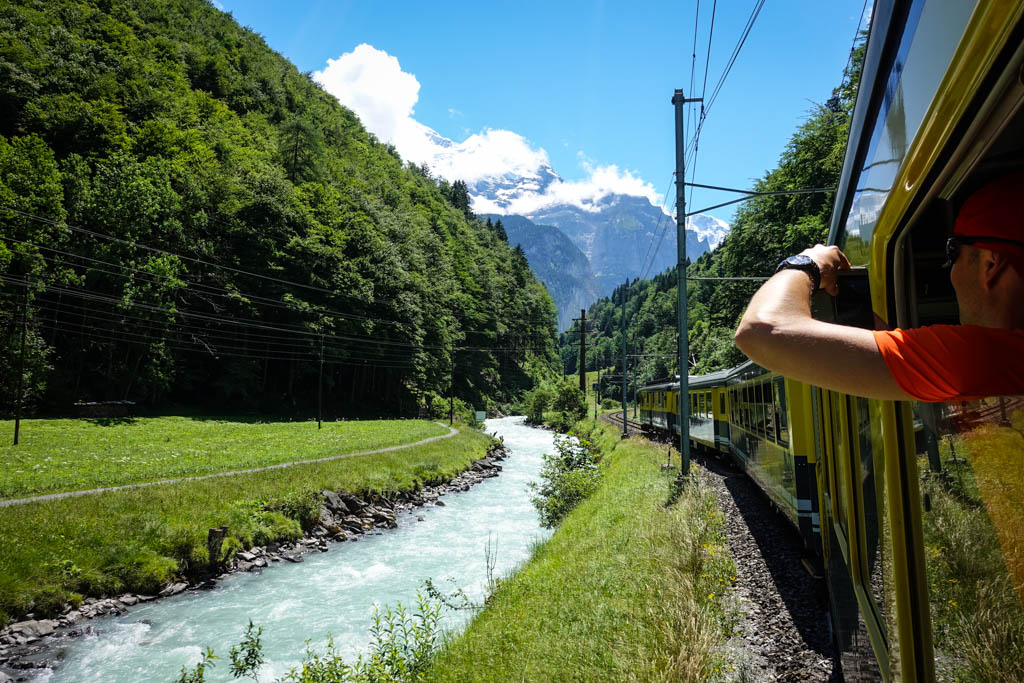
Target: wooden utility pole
x: 451, y: 388
x: 683, y: 404
x: 21, y: 368
x: 625, y: 287
x: 583, y: 350
x: 320, y: 388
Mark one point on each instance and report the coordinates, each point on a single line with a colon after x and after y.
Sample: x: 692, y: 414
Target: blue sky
x: 585, y: 86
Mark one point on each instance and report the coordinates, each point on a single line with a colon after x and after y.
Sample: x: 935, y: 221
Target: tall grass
x: 67, y: 455
x: 137, y: 540
x: 626, y: 589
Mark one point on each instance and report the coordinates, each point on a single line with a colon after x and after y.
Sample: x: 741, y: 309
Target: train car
x: 921, y: 506
x: 709, y: 423
x: 760, y: 420
x: 772, y: 439
x: 922, y: 537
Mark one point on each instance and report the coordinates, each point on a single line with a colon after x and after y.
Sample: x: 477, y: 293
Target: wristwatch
x: 804, y: 263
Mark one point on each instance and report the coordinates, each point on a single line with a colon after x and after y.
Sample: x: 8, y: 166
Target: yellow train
x: 917, y: 509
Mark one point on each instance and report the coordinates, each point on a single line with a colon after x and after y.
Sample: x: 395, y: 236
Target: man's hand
x: 830, y: 261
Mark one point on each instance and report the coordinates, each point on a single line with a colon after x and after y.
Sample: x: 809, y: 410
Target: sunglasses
x: 953, y: 245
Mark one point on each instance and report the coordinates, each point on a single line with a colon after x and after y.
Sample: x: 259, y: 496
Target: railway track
x: 632, y: 426
x: 782, y: 631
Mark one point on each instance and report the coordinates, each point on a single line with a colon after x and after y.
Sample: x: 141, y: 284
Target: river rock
x: 4, y: 678
x: 174, y: 589
x: 34, y: 629
x: 334, y: 502
x: 246, y: 556
x: 130, y: 600
x: 439, y: 503
x: 353, y: 503
x: 293, y: 557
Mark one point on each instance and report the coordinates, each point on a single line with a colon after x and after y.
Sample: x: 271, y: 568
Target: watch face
x: 799, y: 260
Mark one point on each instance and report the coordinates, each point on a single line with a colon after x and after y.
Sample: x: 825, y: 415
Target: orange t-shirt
x: 954, y: 362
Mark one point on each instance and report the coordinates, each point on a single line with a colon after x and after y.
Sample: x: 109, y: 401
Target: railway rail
x: 632, y: 426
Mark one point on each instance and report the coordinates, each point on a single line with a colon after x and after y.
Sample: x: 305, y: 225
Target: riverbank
x: 630, y: 587
x: 344, y: 516
x: 140, y: 541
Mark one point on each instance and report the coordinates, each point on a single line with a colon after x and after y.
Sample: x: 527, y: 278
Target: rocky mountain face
x: 628, y: 237
x: 556, y: 262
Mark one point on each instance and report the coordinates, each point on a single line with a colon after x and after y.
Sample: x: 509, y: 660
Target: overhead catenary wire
x: 217, y: 337
x: 164, y: 252
x: 86, y: 295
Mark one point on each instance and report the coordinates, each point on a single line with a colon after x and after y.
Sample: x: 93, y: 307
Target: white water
x: 330, y: 593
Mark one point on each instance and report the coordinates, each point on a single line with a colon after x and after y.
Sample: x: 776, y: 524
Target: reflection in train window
x: 872, y: 479
x: 780, y: 411
x: 970, y: 458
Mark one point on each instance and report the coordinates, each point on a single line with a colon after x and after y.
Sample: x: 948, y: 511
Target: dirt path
x: 88, y: 492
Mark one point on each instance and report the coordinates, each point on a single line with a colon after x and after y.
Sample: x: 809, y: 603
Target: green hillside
x: 198, y: 222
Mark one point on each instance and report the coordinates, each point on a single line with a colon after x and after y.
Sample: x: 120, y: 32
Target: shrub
x: 568, y: 476
x: 402, y: 649
x: 536, y: 404
x: 607, y: 403
x: 570, y: 400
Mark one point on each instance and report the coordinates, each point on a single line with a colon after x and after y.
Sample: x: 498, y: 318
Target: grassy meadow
x: 628, y: 588
x: 69, y: 455
x: 58, y: 551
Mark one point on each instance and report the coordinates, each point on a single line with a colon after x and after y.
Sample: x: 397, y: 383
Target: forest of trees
x: 188, y: 220
x: 765, y: 230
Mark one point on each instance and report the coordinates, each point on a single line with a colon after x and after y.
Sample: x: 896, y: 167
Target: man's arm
x: 777, y: 332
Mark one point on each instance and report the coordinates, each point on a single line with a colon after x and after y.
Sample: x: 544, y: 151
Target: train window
x: 721, y: 404
x: 781, y: 420
x: 769, y: 411
x: 759, y: 408
x: 970, y: 458
x: 708, y: 404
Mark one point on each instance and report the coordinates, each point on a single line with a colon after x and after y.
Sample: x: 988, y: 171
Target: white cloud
x: 490, y: 154
x: 371, y: 83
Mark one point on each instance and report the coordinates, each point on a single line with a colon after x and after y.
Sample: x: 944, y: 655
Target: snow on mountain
x: 708, y: 229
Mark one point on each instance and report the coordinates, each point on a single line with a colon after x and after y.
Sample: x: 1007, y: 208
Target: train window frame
x: 769, y: 412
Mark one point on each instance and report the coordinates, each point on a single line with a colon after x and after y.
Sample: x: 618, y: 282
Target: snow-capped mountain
x: 622, y: 236
x: 502, y: 190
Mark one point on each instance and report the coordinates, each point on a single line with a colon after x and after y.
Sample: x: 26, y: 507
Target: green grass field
x: 68, y: 455
x: 627, y: 588
x: 138, y: 539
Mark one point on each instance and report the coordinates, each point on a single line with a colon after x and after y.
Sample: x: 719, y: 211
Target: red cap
x: 996, y: 210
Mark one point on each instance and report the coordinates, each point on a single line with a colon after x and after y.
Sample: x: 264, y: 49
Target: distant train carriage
x: 745, y: 413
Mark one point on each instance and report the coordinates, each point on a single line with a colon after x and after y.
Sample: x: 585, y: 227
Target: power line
x: 651, y: 243
x: 232, y: 269
x: 218, y: 336
x: 709, y: 102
